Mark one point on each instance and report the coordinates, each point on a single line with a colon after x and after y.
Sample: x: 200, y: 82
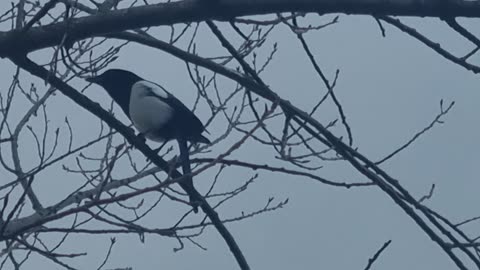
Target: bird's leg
x: 157, y: 150
x: 141, y: 136
x: 161, y: 146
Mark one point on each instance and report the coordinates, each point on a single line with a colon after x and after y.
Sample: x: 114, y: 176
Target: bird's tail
x: 203, y: 139
x: 187, y: 183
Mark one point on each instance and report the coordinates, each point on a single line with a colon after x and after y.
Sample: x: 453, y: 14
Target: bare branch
x: 49, y: 5
x: 434, y: 46
x: 195, y: 11
x: 372, y: 260
x: 138, y: 143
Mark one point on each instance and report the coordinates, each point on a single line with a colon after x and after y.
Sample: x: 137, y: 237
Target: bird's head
x: 114, y: 79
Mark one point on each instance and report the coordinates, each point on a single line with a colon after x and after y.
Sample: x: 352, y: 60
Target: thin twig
x: 43, y: 11
x: 372, y: 260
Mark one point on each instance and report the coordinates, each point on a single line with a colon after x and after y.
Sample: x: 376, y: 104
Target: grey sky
x: 390, y: 89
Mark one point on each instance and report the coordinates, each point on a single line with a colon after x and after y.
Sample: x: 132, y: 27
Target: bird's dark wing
x: 185, y: 119
x: 154, y: 89
x: 184, y: 123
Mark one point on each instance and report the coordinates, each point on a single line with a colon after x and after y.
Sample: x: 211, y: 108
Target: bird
x: 156, y: 114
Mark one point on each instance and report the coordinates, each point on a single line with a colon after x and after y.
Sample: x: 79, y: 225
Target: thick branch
x: 195, y: 10
x: 95, y: 109
x: 363, y: 165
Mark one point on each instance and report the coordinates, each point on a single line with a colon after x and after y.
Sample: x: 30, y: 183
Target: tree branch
x: 372, y: 260
x: 95, y: 109
x: 195, y: 10
x: 429, y: 43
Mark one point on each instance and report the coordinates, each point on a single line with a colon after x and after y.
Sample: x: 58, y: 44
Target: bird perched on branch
x: 155, y: 113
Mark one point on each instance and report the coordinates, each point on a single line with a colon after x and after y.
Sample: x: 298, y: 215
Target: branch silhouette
x: 36, y: 38
x: 95, y: 109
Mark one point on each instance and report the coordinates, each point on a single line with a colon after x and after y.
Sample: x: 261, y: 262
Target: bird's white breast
x: 148, y: 110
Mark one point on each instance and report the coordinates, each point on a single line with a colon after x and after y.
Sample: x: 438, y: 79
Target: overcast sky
x: 390, y: 89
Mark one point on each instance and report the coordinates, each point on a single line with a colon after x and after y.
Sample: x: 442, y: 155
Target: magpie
x: 155, y: 113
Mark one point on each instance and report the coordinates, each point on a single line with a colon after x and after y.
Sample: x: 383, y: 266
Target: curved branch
x: 188, y: 11
x: 266, y: 167
x: 362, y: 164
x: 434, y: 46
x: 95, y: 109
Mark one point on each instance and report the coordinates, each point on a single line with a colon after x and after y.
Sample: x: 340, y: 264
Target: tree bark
x: 36, y: 38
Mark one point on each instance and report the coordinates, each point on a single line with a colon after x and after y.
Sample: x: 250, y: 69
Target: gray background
x: 389, y: 87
